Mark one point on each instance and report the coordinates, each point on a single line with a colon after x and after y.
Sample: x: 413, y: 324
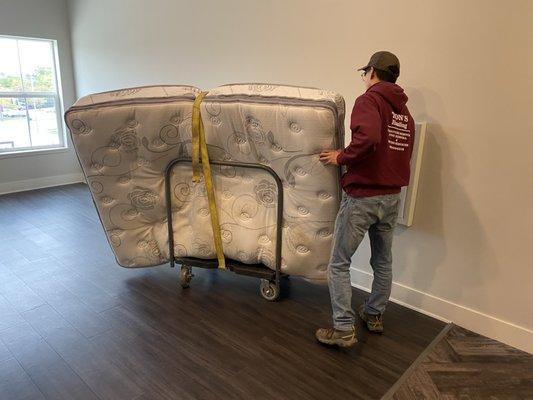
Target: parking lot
x: 15, y: 130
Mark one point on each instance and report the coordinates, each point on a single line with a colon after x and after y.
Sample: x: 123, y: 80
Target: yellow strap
x: 199, y: 149
x: 195, y: 125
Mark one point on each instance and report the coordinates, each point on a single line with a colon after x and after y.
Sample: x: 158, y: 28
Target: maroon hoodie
x: 383, y: 132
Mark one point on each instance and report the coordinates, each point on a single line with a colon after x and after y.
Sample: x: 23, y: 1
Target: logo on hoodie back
x: 398, y: 132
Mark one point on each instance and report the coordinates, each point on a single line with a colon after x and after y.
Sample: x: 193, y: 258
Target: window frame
x: 57, y: 96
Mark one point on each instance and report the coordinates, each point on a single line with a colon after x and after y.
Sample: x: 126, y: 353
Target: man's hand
x: 329, y: 156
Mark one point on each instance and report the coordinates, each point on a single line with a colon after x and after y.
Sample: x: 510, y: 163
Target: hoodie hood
x: 391, y: 92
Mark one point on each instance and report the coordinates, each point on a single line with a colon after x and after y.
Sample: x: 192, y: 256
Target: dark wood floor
x: 465, y: 365
x: 74, y: 325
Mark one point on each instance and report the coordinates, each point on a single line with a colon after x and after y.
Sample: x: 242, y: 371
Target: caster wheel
x: 185, y: 276
x: 269, y: 290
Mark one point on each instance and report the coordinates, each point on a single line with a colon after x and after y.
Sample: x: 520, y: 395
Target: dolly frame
x: 270, y: 279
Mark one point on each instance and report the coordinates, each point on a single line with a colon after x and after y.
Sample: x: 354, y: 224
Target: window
x: 30, y: 105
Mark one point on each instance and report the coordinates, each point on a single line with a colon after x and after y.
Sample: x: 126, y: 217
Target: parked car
x: 13, y: 112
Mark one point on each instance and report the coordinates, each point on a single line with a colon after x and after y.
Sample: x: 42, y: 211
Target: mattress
x: 125, y: 139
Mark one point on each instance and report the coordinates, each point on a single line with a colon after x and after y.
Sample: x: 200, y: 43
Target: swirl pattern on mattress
x: 125, y: 139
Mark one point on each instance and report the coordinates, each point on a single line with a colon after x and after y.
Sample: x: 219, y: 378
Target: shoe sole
x: 336, y: 342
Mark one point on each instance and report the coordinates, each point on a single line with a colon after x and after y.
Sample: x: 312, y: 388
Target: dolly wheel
x: 269, y: 290
x: 185, y: 276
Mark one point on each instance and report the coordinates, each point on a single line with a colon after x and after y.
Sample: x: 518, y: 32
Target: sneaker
x: 335, y: 337
x: 374, y: 323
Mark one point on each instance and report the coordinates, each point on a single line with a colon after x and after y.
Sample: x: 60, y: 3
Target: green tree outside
x: 40, y: 80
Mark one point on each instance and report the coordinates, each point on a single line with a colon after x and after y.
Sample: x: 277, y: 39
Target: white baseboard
x: 39, y: 183
x: 444, y: 310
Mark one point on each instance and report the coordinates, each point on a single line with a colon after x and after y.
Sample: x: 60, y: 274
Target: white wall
x: 40, y: 19
x: 467, y: 69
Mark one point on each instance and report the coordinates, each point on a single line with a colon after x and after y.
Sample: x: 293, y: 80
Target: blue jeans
x: 356, y: 216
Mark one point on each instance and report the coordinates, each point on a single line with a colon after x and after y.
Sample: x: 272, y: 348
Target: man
x: 377, y: 162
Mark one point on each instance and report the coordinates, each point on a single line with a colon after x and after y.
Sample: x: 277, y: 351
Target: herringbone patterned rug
x: 464, y: 365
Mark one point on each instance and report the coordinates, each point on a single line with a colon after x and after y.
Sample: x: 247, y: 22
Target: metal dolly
x: 270, y: 279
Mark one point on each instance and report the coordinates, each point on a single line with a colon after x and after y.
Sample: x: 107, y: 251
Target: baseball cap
x: 384, y: 61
